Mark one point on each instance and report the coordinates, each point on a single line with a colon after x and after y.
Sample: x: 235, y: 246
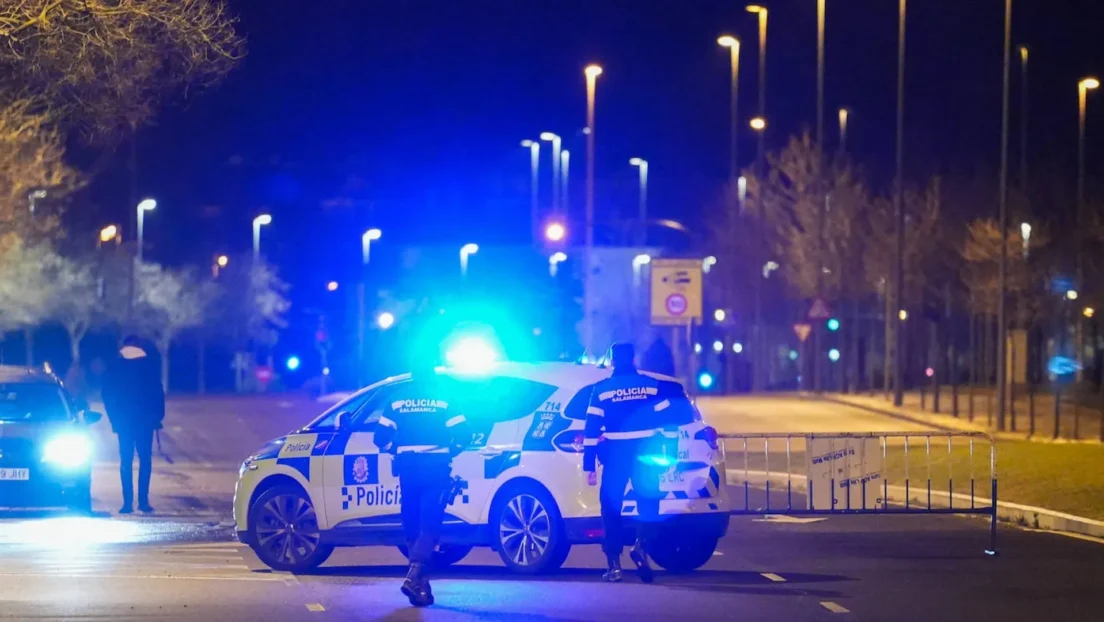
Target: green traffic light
x: 833, y: 324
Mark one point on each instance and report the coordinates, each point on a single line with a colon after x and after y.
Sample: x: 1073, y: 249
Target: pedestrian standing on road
x: 135, y: 405
x: 424, y: 428
x: 625, y: 412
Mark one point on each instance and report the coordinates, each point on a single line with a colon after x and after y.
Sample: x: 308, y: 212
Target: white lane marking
x: 834, y: 607
x: 773, y: 577
x: 315, y: 607
x: 782, y: 518
x: 71, y: 575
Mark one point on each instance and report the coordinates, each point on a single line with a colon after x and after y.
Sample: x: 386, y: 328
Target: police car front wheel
x: 285, y: 530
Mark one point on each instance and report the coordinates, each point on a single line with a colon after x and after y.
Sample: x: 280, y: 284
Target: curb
x: 1020, y: 515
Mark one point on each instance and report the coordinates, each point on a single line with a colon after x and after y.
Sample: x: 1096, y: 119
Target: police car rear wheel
x: 682, y: 553
x: 530, y: 534
x: 285, y: 531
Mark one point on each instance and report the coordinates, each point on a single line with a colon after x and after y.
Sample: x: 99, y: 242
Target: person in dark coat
x: 658, y: 358
x: 135, y: 404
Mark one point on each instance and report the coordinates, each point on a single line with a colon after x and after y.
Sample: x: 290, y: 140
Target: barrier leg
x: 992, y: 550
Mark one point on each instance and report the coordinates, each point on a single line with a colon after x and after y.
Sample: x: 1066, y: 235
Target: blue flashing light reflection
x: 705, y: 380
x: 293, y: 363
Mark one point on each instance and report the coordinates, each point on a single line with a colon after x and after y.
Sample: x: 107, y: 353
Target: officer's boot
x: 416, y: 587
x: 613, y: 574
x: 640, y: 558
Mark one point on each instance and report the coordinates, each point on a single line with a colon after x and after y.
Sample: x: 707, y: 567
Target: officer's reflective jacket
x: 422, y: 417
x: 630, y: 406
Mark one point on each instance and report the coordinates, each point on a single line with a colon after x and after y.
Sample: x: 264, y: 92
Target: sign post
x: 676, y: 300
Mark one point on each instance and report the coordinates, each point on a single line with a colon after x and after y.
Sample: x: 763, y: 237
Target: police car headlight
x: 69, y: 450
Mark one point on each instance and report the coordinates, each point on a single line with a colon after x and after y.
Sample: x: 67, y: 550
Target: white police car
x: 525, y: 495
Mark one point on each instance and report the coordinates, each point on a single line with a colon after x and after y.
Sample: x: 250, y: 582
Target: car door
x: 360, y: 486
x: 495, y: 408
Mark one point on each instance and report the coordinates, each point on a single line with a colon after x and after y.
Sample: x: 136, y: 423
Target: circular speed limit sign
x: 676, y: 304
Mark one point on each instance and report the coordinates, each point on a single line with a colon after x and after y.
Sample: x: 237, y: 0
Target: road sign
x: 676, y: 291
x: 819, y: 310
x: 802, y: 331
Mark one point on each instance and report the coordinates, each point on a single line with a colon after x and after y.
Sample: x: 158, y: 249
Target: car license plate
x: 15, y: 474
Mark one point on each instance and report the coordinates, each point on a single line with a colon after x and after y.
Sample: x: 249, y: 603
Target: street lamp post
x: 146, y: 205
x: 565, y: 166
x: 759, y: 125
x: 638, y: 264
x: 1083, y: 88
x: 733, y: 45
x: 844, y: 117
x: 556, y: 142
x: 534, y: 184
x: 1002, y: 276
x: 466, y: 251
x: 366, y: 239
x: 591, y: 72
x: 258, y: 222
x: 642, y: 164
x: 554, y: 261
x: 820, y: 76
x: 899, y: 213
x: 1023, y: 116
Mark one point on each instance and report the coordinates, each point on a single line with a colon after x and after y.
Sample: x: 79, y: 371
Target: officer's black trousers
x: 619, y: 467
x: 424, y: 483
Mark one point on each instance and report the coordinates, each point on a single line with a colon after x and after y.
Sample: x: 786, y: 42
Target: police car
x: 524, y: 493
x: 45, y: 447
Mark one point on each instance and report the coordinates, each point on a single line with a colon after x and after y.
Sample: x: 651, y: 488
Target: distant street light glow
x: 592, y: 71
x: 332, y: 286
x: 697, y: 348
x: 1088, y: 312
x: 554, y: 261
x: 222, y: 261
x: 718, y: 346
x: 555, y: 232
x: 641, y: 260
x: 834, y: 355
x: 708, y: 263
x: 758, y: 124
x: 719, y: 315
x: 738, y: 347
x: 1071, y: 294
x: 293, y: 363
x: 108, y: 233
x: 705, y: 380
x: 902, y: 315
x: 385, y: 320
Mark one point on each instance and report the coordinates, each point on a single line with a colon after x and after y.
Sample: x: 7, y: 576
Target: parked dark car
x: 45, y: 448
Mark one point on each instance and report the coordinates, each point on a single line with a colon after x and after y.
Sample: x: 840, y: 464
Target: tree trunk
x: 163, y: 347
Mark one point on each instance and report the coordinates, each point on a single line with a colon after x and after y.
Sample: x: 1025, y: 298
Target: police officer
x: 425, y: 429
x: 624, y: 410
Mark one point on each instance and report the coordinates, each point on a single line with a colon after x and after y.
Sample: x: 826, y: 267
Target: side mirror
x: 91, y: 417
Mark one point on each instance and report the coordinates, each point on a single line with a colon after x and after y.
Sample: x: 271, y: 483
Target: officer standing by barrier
x: 425, y: 429
x: 625, y: 409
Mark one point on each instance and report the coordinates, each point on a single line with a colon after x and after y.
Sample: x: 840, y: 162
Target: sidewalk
x: 1083, y: 420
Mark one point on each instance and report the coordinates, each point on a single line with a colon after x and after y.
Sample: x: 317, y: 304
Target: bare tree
x: 104, y: 65
x: 167, y: 303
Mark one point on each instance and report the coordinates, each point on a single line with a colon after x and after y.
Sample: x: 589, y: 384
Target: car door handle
x: 490, y: 452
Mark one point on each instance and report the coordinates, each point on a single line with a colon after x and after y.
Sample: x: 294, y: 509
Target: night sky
x: 407, y: 114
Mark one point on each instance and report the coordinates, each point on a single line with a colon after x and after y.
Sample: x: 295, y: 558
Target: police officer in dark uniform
x: 625, y: 410
x: 424, y: 428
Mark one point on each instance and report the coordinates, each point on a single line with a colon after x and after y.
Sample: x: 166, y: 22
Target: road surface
x: 184, y: 565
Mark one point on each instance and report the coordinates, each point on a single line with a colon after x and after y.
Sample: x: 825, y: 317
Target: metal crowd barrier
x: 839, y: 475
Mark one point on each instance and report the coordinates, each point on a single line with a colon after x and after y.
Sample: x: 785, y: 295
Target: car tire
x: 680, y: 553
x: 79, y: 499
x: 528, y: 531
x: 284, y: 530
x: 445, y: 555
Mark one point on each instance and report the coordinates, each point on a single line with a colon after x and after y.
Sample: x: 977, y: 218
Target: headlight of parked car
x: 69, y: 450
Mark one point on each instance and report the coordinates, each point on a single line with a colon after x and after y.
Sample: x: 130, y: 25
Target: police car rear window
x: 502, y: 398
x: 32, y: 402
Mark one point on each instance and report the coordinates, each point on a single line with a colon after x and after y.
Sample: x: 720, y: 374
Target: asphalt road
x: 184, y: 565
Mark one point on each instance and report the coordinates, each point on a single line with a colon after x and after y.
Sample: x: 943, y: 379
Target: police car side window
x: 369, y: 413
x: 502, y: 398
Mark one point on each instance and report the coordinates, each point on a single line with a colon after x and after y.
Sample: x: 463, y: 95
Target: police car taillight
x: 570, y: 441
x: 709, y: 435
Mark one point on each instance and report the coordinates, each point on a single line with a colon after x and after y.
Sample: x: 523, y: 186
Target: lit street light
x: 534, y: 182
x: 1025, y: 233
x: 332, y: 286
x: 1083, y: 88
x: 258, y: 222
x: 591, y: 72
x: 719, y: 315
x: 758, y: 124
x: 385, y: 320
x: 107, y: 234
x: 708, y: 263
x: 144, y: 206
x: 220, y: 262
x: 844, y: 115
x: 1088, y: 312
x: 642, y: 164
x: 1071, y: 294
x: 366, y: 240
x: 556, y: 142
x: 902, y: 315
x: 554, y: 261
x: 565, y: 166
x: 466, y: 251
x: 555, y: 232
x: 733, y: 45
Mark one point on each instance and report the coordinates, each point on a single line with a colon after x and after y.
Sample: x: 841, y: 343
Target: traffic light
x: 833, y: 324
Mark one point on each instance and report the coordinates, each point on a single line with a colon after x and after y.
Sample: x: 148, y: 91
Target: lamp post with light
x: 556, y: 142
x: 591, y: 72
x: 466, y: 251
x: 642, y: 164
x: 258, y: 222
x: 534, y: 183
x: 759, y: 125
x: 733, y: 45
x: 146, y: 205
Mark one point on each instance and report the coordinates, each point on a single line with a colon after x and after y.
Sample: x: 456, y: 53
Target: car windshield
x: 32, y: 402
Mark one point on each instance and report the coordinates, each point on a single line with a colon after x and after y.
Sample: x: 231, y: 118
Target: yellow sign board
x: 676, y: 291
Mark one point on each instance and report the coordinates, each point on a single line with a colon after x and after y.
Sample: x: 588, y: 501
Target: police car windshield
x: 32, y: 402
